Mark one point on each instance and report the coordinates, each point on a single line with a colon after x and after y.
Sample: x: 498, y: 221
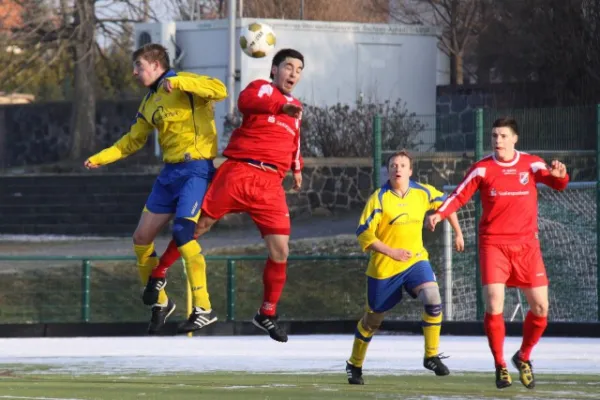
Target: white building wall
x: 344, y: 61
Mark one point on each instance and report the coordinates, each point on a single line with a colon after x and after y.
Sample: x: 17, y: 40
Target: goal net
x: 567, y: 226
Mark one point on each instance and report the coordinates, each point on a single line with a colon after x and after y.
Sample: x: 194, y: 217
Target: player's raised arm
x: 257, y: 98
x: 131, y: 142
x: 554, y: 176
x: 202, y: 86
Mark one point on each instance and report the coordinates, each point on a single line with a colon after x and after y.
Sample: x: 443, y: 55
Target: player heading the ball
x: 259, y: 155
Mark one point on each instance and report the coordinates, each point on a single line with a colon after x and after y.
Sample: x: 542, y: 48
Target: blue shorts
x: 180, y: 188
x: 384, y: 294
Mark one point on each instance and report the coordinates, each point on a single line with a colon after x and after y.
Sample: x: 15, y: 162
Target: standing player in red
x: 259, y: 154
x: 509, y: 248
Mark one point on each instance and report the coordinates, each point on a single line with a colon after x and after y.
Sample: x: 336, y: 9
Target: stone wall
x: 340, y: 184
x: 103, y: 203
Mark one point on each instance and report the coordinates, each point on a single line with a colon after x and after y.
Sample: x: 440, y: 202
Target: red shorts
x: 516, y: 265
x: 240, y: 187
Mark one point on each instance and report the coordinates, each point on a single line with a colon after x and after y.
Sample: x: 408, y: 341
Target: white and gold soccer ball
x: 257, y: 40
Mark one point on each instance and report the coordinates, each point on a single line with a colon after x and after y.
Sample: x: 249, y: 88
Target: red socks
x: 274, y: 277
x: 533, y: 328
x: 168, y: 258
x: 495, y: 331
x: 273, y: 281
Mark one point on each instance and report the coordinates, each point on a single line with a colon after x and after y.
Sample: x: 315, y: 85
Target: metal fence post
x: 448, y: 311
x: 597, y: 209
x: 478, y: 156
x: 86, y: 267
x: 376, y: 151
x: 230, y: 290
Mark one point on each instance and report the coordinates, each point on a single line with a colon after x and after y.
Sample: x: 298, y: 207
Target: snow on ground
x: 302, y: 354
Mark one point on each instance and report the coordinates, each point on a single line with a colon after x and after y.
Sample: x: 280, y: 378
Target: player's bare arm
x: 297, y: 181
x: 396, y: 254
x: 459, y: 241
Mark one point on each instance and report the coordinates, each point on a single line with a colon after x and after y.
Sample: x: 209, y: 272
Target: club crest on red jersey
x: 524, y: 178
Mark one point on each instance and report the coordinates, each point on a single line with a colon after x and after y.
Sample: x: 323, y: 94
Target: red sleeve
x: 297, y: 160
x: 257, y: 98
x: 463, y: 192
x: 542, y: 175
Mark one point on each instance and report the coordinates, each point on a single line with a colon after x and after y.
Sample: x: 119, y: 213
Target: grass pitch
x: 33, y: 382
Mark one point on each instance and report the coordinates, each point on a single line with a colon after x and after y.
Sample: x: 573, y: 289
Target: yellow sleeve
x: 369, y: 220
x: 131, y: 142
x: 202, y: 86
x: 436, y: 197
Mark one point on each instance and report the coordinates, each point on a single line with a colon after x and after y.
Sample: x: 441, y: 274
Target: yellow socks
x: 362, y: 337
x: 146, y: 262
x: 195, y: 267
x: 432, y: 325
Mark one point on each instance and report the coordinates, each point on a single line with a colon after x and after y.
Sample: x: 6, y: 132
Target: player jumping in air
x: 180, y: 107
x: 509, y: 247
x: 391, y: 228
x: 259, y: 154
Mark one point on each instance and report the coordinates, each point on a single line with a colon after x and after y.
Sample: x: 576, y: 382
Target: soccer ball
x: 257, y: 40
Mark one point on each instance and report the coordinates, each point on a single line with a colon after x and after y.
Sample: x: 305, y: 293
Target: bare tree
x: 83, y: 47
x: 460, y: 21
x: 72, y: 32
x: 555, y: 43
x: 192, y: 10
x: 316, y: 10
x: 331, y: 10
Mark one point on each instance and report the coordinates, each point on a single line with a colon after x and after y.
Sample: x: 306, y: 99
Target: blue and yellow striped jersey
x: 398, y: 222
x: 184, y: 119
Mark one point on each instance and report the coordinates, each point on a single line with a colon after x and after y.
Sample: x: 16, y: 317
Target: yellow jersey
x: 398, y: 222
x: 184, y: 119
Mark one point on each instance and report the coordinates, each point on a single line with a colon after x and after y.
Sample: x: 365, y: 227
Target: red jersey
x: 267, y: 134
x: 508, y: 197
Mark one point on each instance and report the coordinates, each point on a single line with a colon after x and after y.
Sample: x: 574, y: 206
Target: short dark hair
x: 282, y: 54
x: 153, y: 52
x: 507, y: 122
x: 401, y: 153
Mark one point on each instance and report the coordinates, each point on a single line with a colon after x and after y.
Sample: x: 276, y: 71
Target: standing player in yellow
x: 180, y: 107
x: 391, y: 228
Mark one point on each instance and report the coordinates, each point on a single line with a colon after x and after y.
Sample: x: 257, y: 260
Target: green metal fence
x: 107, y: 288
x: 571, y: 135
x: 542, y: 129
